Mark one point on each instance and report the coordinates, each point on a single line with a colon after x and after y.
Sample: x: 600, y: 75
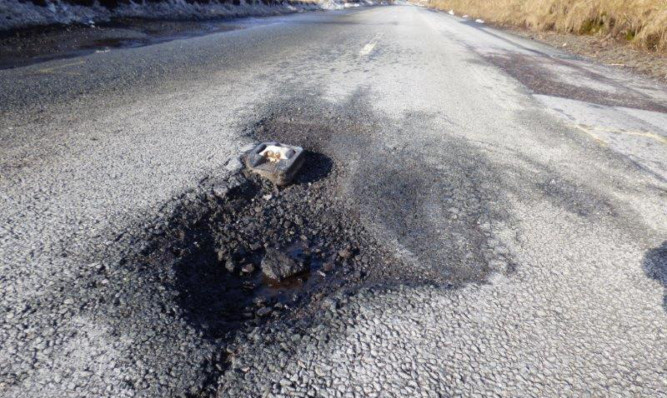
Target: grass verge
x: 640, y: 22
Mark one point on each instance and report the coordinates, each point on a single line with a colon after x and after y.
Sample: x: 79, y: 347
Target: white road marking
x: 368, y: 48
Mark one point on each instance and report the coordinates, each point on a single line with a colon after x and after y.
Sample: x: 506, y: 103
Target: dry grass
x: 643, y: 22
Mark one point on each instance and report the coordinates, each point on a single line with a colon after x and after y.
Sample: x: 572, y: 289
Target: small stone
x: 277, y: 265
x: 345, y: 253
x: 221, y: 190
x: 264, y: 311
x: 221, y: 254
x: 230, y: 265
x: 248, y: 268
x: 234, y: 165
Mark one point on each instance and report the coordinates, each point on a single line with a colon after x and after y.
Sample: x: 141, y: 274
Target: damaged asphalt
x: 463, y: 231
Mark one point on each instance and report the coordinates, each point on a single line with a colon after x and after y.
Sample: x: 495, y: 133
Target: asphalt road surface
x: 519, y: 195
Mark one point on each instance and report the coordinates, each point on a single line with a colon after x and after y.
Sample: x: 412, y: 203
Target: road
x: 519, y: 191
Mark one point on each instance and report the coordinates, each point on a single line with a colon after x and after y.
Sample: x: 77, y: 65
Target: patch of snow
x: 465, y: 16
x: 479, y: 20
x: 18, y: 14
x: 451, y: 12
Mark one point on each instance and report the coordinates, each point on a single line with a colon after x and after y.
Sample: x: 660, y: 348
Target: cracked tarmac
x: 464, y: 236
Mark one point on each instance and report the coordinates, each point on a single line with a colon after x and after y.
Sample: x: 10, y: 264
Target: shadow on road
x: 655, y: 267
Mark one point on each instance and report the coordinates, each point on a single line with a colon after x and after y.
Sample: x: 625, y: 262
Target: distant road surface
x: 463, y: 148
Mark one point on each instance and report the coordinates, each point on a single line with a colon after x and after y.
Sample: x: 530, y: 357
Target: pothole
x: 192, y: 285
x: 218, y: 243
x: 204, y: 258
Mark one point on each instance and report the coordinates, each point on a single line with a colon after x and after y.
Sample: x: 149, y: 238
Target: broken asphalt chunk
x: 274, y: 161
x: 277, y: 265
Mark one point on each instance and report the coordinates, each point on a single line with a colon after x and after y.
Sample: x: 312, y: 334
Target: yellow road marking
x: 590, y: 133
x: 646, y: 134
x: 54, y: 68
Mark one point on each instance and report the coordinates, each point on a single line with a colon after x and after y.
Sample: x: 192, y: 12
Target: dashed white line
x: 368, y: 48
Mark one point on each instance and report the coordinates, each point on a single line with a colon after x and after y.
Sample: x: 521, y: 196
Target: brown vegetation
x: 642, y: 22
